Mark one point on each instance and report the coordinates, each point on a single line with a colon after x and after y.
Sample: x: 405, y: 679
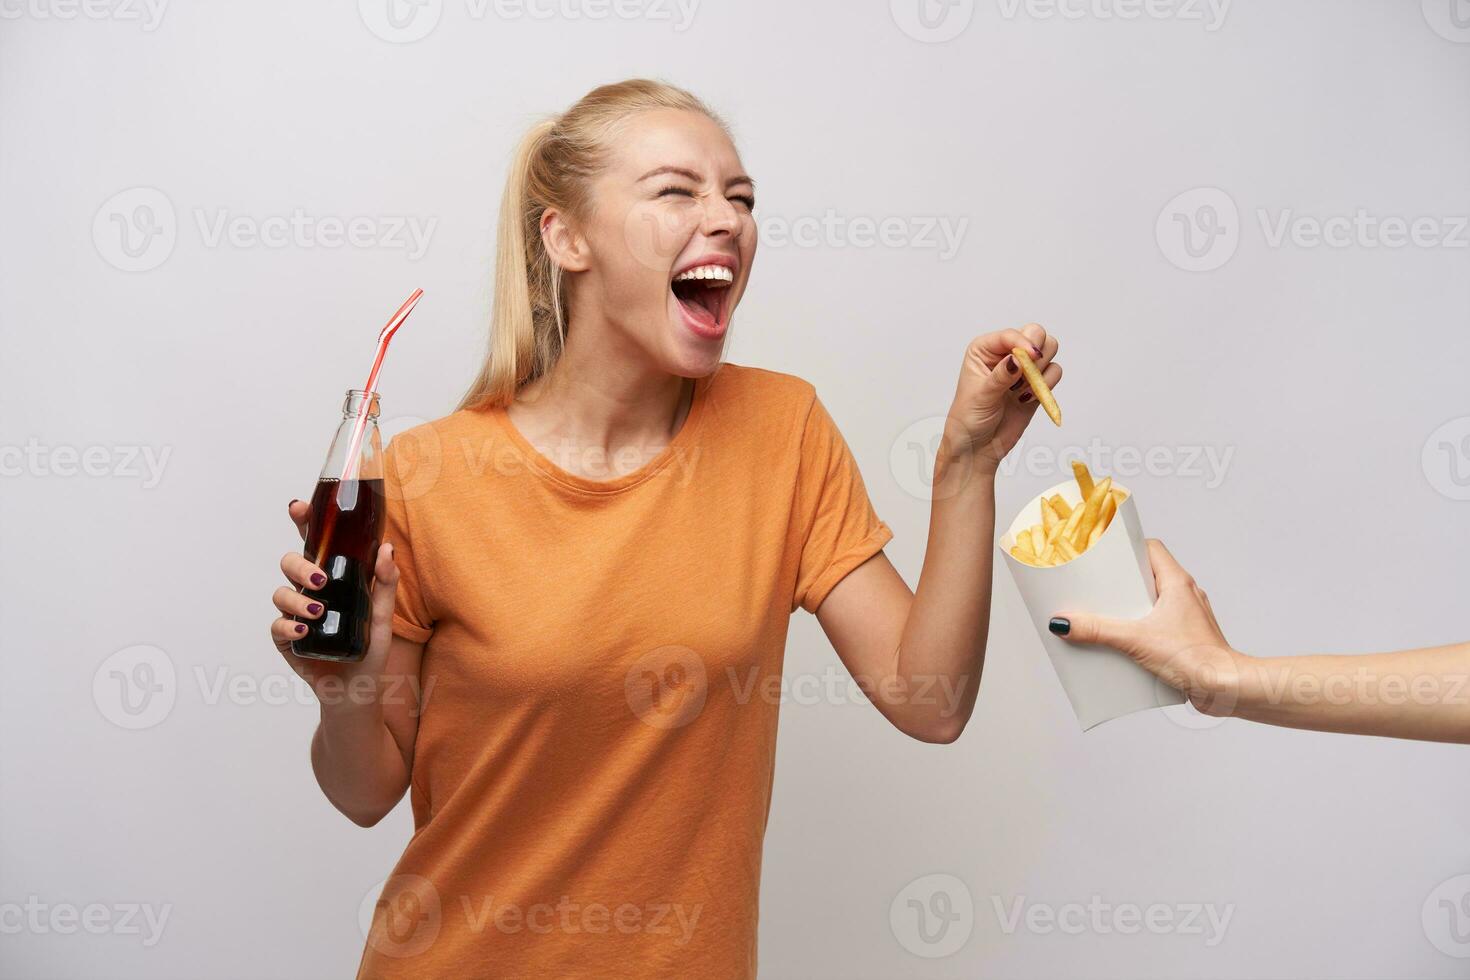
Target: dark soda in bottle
x: 346, y: 528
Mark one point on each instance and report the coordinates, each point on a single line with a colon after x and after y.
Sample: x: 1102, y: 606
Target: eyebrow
x: 691, y: 175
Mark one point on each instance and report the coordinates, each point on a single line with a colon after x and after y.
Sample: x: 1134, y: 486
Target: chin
x: 693, y: 361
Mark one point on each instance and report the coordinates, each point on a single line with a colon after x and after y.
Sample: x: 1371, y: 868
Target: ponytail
x: 521, y: 348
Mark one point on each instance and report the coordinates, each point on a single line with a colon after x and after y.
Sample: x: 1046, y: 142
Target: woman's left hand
x: 993, y: 404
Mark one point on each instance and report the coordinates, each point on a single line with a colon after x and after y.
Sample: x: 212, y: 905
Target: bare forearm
x: 944, y: 634
x: 357, y: 762
x: 1419, y: 694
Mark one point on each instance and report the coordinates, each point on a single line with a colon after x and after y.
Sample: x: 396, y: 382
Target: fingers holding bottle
x: 300, y: 513
x: 385, y: 594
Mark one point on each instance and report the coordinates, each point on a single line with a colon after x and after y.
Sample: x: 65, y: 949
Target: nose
x: 720, y: 217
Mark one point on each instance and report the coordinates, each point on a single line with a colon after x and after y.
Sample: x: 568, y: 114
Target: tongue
x: 695, y: 306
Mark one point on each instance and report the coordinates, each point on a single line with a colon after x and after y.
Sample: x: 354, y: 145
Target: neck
x: 603, y: 393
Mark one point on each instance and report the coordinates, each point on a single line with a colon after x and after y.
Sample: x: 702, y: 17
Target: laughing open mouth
x: 702, y: 291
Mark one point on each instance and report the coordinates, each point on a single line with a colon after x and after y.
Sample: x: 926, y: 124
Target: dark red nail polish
x: 1025, y: 398
x: 294, y: 500
x: 1011, y: 365
x: 300, y: 628
x: 314, y: 608
x: 318, y: 579
x: 1018, y: 384
x: 1037, y: 351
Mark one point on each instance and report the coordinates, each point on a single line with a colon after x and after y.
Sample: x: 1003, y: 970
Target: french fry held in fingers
x: 1038, y: 385
x: 1066, y: 532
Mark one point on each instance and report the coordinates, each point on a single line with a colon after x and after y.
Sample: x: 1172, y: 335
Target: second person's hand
x: 1179, y: 641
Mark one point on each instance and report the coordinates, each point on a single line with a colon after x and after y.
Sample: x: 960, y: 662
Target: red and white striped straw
x: 349, y: 468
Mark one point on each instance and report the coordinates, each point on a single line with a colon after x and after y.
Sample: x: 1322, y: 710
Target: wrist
x: 1223, y: 682
x: 349, y: 701
x: 962, y: 473
x: 959, y: 447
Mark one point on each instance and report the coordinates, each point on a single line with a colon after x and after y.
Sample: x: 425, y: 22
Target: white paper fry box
x: 1112, y: 578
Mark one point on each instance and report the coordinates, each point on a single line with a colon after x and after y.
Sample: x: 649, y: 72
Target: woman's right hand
x: 332, y: 681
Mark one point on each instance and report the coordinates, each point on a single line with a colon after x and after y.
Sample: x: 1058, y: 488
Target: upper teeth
x: 718, y: 273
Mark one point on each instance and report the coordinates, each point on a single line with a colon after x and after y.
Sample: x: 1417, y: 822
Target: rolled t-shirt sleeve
x: 412, y: 619
x: 837, y: 528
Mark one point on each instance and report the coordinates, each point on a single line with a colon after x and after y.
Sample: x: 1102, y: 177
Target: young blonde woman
x: 590, y: 568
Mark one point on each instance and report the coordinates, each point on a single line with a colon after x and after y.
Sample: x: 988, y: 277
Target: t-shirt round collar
x: 551, y: 471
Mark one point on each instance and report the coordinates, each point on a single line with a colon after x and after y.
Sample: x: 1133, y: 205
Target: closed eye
x: 746, y: 199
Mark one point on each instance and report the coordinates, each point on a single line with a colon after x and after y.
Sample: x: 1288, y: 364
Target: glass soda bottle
x: 346, y: 528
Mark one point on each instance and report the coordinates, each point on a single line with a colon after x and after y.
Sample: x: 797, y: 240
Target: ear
x: 565, y: 246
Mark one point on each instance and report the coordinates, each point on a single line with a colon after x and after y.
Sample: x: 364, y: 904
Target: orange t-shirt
x: 592, y: 774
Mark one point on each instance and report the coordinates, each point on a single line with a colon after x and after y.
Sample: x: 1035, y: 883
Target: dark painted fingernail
x: 300, y: 628
x: 1060, y: 626
x: 1011, y: 364
x: 1018, y: 384
x: 318, y: 579
x: 1037, y: 351
x: 294, y: 500
x: 314, y: 608
x: 1025, y: 398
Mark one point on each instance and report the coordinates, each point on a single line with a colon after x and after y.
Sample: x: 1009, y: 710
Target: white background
x: 1059, y: 137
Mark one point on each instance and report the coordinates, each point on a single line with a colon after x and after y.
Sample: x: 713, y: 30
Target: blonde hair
x: 552, y: 168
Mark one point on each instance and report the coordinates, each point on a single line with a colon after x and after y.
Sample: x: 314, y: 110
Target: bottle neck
x: 361, y: 402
